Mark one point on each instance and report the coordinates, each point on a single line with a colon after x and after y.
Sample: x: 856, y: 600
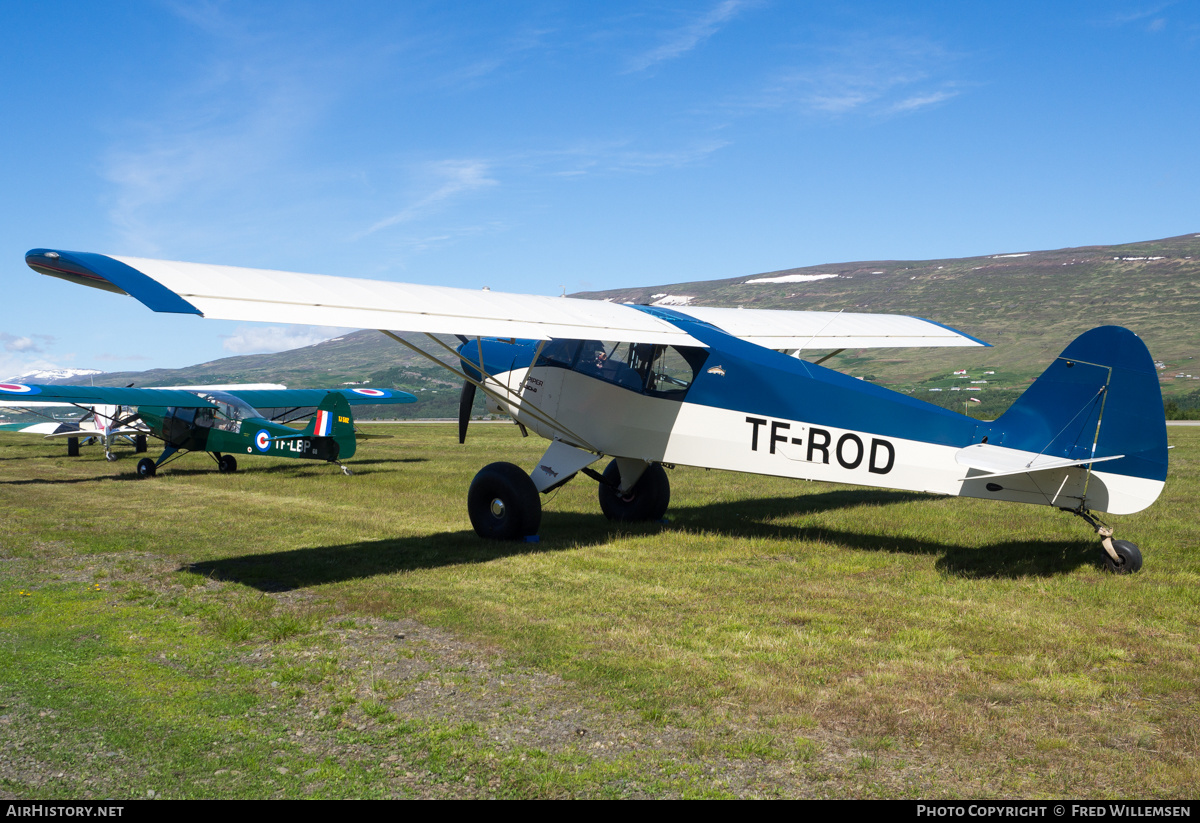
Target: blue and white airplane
x: 654, y: 387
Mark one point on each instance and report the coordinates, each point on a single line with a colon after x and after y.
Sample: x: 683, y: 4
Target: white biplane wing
x: 261, y: 295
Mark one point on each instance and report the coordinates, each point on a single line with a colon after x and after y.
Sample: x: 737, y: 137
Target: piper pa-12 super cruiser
x: 653, y: 387
x: 223, y: 424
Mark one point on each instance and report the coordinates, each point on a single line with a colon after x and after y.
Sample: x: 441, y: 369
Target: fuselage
x: 233, y: 427
x: 740, y: 407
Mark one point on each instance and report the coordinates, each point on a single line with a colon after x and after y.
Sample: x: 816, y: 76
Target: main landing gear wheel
x: 503, y: 503
x: 1131, y: 558
x: 146, y: 468
x: 646, y: 501
x: 226, y: 464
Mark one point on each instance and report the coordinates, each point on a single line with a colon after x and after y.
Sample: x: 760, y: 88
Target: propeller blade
x: 465, y: 401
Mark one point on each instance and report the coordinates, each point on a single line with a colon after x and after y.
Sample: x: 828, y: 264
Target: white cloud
x: 24, y: 345
x: 203, y: 157
x: 453, y: 178
x: 594, y: 157
x: 683, y: 40
x: 263, y: 339
x: 13, y: 365
x: 920, y: 101
x: 865, y: 74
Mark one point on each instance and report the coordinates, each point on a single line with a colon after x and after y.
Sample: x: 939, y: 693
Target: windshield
x: 230, y: 411
x: 643, y: 367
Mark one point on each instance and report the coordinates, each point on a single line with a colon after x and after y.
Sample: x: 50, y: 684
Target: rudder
x: 334, y: 420
x: 1099, y: 398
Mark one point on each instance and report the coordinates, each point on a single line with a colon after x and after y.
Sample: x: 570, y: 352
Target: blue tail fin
x: 1099, y: 398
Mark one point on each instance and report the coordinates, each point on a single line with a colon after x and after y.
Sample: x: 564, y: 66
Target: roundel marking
x: 371, y: 392
x: 18, y: 388
x: 262, y: 440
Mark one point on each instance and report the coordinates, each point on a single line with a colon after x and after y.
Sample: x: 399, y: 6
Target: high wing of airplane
x: 223, y: 423
x: 653, y: 387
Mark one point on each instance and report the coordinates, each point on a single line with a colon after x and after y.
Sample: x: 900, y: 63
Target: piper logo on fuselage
x: 849, y: 451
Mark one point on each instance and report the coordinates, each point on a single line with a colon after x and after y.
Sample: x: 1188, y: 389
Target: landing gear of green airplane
x: 503, y: 503
x: 1120, y: 556
x: 646, y: 501
x: 226, y: 463
x: 146, y: 468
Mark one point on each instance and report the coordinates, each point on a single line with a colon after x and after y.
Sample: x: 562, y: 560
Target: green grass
x: 208, y: 635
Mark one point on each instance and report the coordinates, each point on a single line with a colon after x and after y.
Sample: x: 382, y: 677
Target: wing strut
x: 526, y: 408
x: 826, y: 357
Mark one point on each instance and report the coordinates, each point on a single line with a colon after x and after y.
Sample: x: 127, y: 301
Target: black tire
x: 110, y: 457
x: 1131, y: 558
x: 227, y: 464
x: 503, y: 503
x: 646, y: 501
x: 139, y: 443
x: 146, y: 468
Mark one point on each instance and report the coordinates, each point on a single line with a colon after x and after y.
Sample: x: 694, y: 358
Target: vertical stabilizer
x: 1099, y: 398
x: 333, y: 420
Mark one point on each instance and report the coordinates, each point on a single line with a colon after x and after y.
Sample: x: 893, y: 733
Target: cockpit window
x: 662, y: 371
x: 230, y: 410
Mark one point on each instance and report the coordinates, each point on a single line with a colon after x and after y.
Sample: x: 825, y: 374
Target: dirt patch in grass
x: 421, y: 713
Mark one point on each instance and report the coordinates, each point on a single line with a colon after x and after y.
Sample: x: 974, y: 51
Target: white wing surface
x: 263, y: 295
x: 779, y: 329
x: 229, y: 293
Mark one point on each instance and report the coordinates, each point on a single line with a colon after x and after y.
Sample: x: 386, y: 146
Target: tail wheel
x: 146, y: 468
x: 1130, y: 555
x: 227, y: 464
x: 646, y: 501
x: 503, y: 503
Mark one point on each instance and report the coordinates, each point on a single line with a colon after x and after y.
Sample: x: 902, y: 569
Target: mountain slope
x: 1029, y: 305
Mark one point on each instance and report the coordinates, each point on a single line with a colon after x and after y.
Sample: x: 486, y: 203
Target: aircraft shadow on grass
x: 302, y: 568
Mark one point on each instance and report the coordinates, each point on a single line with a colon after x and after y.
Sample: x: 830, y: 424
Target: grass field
x: 291, y: 632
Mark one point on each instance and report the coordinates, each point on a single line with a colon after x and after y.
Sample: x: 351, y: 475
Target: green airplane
x: 221, y: 423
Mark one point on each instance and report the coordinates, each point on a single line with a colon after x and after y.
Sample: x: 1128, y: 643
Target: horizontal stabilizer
x: 997, y: 461
x: 55, y: 428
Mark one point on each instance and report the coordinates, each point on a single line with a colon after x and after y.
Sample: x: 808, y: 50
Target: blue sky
x: 539, y: 146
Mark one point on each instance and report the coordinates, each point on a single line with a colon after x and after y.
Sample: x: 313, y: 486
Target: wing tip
x: 962, y: 334
x: 100, y: 271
